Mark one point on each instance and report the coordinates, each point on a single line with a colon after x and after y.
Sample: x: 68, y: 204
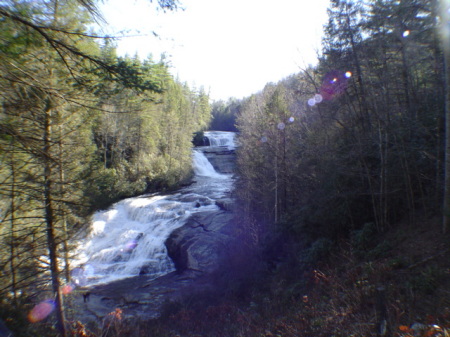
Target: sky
x: 231, y: 48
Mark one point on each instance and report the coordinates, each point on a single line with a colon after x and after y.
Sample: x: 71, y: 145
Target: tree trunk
x: 50, y: 221
x: 411, y: 111
x: 13, y: 223
x: 382, y: 317
x: 445, y: 33
x: 440, y: 80
x: 61, y: 209
x: 359, y: 73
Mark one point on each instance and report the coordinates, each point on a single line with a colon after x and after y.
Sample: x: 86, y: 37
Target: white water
x: 221, y: 138
x: 203, y: 168
x: 129, y: 237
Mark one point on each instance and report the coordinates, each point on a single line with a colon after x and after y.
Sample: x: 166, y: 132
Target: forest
x: 338, y: 166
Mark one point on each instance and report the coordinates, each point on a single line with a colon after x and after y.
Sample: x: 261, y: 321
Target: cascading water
x: 203, y: 168
x: 128, y: 239
x: 221, y: 138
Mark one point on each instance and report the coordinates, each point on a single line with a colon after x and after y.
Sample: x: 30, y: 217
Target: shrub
x: 320, y: 249
x: 363, y: 239
x: 197, y: 140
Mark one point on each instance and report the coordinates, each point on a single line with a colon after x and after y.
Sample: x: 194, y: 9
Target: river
x: 129, y: 238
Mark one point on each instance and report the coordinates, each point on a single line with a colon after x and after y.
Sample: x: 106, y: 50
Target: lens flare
x: 130, y: 245
x: 68, y: 288
x: 291, y: 119
x: 263, y: 139
x: 281, y: 126
x: 41, y: 311
x: 318, y: 98
x: 311, y: 102
x: 348, y: 74
x: 79, y: 276
x: 334, y: 84
x: 406, y: 33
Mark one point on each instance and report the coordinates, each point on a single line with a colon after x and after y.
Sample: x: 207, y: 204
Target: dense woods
x: 344, y: 150
x: 358, y: 139
x: 80, y: 128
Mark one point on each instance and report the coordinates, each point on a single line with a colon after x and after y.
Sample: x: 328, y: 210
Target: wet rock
x: 222, y: 159
x: 201, y: 244
x: 225, y: 204
x: 139, y: 297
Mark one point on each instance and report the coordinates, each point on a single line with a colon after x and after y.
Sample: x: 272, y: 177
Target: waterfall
x: 202, y: 166
x: 221, y: 138
x: 129, y: 238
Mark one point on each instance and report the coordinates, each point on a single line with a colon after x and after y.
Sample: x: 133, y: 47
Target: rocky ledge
x: 201, y: 244
x: 221, y: 158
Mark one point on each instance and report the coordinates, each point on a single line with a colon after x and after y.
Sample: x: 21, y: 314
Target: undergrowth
x: 396, y: 284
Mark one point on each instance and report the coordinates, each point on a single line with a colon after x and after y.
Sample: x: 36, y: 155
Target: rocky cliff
x: 222, y: 159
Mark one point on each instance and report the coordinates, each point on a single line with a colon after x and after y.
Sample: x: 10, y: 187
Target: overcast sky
x: 232, y: 48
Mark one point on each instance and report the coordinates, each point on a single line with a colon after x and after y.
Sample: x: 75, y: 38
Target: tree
x: 43, y: 73
x: 358, y: 155
x: 445, y: 33
x: 224, y: 114
x: 53, y: 77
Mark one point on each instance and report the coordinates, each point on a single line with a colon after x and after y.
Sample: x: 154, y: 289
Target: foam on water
x: 221, y: 138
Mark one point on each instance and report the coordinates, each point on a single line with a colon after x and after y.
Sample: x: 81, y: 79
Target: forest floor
x: 403, y: 281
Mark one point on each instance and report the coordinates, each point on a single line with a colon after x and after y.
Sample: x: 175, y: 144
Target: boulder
x: 225, y: 204
x: 201, y: 243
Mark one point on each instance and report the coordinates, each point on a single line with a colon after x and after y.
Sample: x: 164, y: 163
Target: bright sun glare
x: 232, y: 48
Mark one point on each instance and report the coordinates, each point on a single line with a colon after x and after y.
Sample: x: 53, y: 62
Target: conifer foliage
x: 358, y: 138
x: 80, y: 128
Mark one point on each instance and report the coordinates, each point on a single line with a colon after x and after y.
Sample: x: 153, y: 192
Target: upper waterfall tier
x: 220, y: 138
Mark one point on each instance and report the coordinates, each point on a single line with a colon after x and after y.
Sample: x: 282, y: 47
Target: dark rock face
x: 201, y: 246
x: 201, y: 243
x: 222, y: 159
x: 198, y: 249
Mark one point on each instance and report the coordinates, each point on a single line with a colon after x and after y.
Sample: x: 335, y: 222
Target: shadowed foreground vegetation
x: 404, y: 276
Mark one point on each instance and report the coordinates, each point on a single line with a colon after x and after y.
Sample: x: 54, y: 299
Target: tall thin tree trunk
x: 50, y: 221
x: 61, y: 209
x: 411, y: 111
x: 276, y: 189
x: 440, y: 80
x: 284, y: 175
x: 362, y: 90
x: 445, y: 33
x: 408, y: 182
x: 105, y: 152
x: 13, y: 223
x: 382, y: 138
